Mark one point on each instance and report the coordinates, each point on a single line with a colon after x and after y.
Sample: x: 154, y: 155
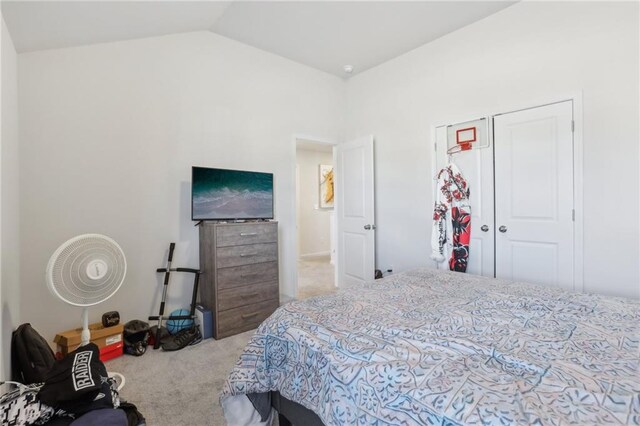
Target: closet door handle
x: 502, y: 229
x: 484, y: 228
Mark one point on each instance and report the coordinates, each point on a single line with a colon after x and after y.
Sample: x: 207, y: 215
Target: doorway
x: 315, y: 218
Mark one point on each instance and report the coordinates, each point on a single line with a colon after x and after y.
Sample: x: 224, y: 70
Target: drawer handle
x: 248, y: 254
x: 248, y: 234
x: 246, y: 316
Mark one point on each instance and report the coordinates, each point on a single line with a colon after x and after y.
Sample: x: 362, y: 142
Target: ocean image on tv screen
x: 231, y: 194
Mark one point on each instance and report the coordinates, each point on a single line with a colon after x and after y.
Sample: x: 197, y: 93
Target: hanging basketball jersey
x: 451, y: 232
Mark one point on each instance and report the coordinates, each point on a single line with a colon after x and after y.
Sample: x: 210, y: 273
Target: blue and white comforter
x: 432, y: 347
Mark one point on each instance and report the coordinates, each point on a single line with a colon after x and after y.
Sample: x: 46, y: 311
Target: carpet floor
x: 315, y: 277
x: 181, y: 387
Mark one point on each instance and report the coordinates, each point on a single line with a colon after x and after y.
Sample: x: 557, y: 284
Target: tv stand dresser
x: 240, y: 283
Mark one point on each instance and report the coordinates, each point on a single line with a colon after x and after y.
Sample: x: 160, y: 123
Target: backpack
x: 31, y: 356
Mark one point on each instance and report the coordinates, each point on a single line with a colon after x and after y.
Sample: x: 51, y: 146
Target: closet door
x: 534, y: 195
x: 477, y: 167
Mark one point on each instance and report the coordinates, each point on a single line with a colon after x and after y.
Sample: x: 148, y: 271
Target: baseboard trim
x: 312, y: 255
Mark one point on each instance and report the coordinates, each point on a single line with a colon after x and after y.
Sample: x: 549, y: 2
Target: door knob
x: 484, y: 228
x: 368, y: 227
x: 502, y: 229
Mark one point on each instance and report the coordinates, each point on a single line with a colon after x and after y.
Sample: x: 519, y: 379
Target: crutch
x: 159, y: 317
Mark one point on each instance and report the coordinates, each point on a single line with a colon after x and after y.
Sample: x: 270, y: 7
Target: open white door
x: 355, y: 211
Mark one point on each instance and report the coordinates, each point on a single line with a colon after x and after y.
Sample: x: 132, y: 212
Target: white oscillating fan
x: 85, y: 271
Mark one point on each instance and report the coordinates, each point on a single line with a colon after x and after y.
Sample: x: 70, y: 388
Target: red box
x: 111, y: 351
x: 108, y: 337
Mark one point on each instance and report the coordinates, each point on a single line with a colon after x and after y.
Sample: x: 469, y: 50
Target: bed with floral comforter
x: 432, y: 347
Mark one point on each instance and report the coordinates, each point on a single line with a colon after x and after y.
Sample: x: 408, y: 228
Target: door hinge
x: 573, y: 126
x: 573, y: 215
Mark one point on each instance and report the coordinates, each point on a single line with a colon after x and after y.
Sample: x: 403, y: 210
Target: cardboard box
x: 69, y: 341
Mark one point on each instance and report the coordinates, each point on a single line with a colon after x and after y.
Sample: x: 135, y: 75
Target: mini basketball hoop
x: 467, y: 135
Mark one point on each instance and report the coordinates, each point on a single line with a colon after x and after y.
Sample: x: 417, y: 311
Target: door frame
x: 578, y: 164
x: 293, y: 238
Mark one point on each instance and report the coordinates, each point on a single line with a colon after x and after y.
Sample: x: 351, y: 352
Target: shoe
x: 198, y: 338
x: 153, y: 333
x: 182, y: 338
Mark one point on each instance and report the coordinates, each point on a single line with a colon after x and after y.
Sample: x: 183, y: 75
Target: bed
x: 433, y: 347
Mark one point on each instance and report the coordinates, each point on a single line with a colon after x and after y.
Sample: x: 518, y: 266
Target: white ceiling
x: 322, y: 34
x: 38, y: 25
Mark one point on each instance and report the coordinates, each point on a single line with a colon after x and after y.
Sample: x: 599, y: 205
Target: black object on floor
x: 167, y: 272
x: 31, y: 356
x: 78, y: 383
x: 134, y: 416
x: 136, y: 335
x: 153, y: 335
x: 165, y: 286
x: 182, y: 338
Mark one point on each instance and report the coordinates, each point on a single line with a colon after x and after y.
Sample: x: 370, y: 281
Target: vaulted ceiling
x: 322, y: 34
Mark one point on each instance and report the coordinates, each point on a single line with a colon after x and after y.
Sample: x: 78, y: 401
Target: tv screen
x: 220, y: 194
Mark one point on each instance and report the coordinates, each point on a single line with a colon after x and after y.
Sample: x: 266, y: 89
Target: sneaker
x: 181, y: 339
x: 153, y: 333
x: 198, y: 338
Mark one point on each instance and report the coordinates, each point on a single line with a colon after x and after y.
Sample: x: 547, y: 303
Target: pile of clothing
x: 76, y: 391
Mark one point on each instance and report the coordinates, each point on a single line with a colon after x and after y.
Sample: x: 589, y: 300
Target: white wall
x: 528, y: 52
x: 9, y: 201
x: 109, y: 134
x: 313, y: 222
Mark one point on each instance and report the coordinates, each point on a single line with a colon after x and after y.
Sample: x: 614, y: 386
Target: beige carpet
x: 315, y: 277
x: 181, y: 387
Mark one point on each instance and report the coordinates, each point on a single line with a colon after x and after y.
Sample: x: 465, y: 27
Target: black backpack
x: 31, y: 356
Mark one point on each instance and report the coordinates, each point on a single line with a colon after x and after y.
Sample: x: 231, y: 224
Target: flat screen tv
x: 220, y: 194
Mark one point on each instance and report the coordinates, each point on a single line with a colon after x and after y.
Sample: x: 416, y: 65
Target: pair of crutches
x: 167, y: 273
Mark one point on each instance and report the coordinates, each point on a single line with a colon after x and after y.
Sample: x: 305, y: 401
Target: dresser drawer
x: 247, y: 274
x: 253, y: 233
x: 247, y: 295
x: 246, y: 255
x: 237, y: 320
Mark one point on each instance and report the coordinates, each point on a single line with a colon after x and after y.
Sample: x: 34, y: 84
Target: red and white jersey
x: 450, y: 235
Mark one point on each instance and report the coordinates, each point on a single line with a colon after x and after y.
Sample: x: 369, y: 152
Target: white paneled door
x: 355, y: 211
x: 534, y: 195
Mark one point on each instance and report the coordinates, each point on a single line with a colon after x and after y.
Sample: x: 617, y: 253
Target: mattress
x: 434, y: 347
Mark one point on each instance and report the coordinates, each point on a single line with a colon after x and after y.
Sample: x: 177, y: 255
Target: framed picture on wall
x: 326, y: 186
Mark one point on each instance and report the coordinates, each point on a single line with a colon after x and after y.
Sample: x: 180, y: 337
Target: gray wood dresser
x: 240, y: 283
